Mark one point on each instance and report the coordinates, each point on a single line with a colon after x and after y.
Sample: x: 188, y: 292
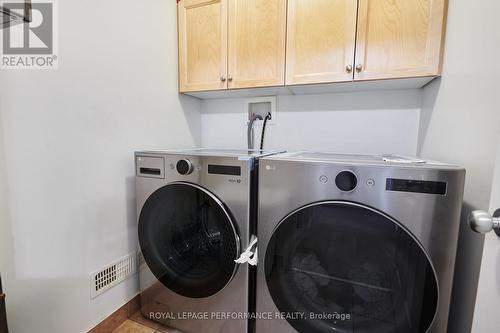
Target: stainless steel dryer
x: 356, y: 243
x: 194, y: 220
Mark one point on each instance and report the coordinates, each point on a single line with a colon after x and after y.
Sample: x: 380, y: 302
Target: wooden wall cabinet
x: 399, y: 38
x: 321, y: 37
x: 229, y: 44
x: 256, y: 52
x: 202, y: 37
x: 393, y: 39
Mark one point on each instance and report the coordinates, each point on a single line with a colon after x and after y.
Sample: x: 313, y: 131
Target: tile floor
x: 138, y: 324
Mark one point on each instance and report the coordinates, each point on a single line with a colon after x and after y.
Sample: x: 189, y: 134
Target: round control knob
x: 346, y: 181
x: 184, y: 167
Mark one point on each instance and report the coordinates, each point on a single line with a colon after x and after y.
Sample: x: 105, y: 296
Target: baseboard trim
x: 118, y: 317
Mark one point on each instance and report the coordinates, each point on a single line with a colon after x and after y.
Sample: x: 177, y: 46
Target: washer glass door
x: 343, y: 267
x: 188, y: 240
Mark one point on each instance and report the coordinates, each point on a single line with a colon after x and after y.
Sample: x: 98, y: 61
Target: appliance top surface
x: 360, y: 159
x: 236, y: 153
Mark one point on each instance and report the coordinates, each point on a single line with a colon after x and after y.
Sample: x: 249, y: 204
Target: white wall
x: 461, y: 111
x: 361, y: 122
x: 67, y: 139
x: 460, y: 123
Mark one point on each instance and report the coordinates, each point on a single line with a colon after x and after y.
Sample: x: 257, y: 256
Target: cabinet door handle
x: 359, y: 68
x: 229, y: 78
x: 223, y: 78
x: 348, y: 68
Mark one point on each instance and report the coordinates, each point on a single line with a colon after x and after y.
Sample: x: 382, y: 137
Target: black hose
x: 268, y: 117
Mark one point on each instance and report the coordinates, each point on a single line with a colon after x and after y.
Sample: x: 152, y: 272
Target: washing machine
x: 359, y: 244
x: 195, y: 219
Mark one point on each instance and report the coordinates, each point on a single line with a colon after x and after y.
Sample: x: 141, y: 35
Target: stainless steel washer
x: 356, y: 243
x: 194, y: 220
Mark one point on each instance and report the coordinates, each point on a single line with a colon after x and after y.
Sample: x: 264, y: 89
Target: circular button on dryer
x: 346, y: 181
x: 184, y: 167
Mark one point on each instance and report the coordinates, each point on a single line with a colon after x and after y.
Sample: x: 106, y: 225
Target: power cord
x: 268, y: 117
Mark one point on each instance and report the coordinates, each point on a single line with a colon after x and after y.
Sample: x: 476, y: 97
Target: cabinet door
x: 320, y: 41
x: 399, y: 38
x: 256, y: 52
x: 202, y: 45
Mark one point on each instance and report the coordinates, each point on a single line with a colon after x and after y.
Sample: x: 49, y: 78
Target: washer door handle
x: 482, y: 222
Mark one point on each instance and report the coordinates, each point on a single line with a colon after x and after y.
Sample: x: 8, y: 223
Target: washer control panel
x: 150, y: 167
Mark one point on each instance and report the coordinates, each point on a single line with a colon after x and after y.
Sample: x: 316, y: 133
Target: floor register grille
x: 112, y: 274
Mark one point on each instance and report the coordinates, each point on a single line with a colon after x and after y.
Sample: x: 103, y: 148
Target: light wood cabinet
x: 230, y: 44
x: 202, y: 29
x: 321, y: 38
x: 256, y: 43
x: 399, y: 38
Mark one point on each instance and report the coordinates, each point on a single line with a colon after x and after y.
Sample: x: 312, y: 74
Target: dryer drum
x: 188, y: 240
x: 346, y: 259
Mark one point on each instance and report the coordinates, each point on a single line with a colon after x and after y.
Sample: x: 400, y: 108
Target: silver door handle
x: 482, y: 222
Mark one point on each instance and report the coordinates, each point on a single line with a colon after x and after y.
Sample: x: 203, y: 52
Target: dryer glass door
x: 188, y: 240
x: 343, y: 267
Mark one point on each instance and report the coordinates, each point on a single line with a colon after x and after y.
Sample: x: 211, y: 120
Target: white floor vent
x: 112, y: 274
